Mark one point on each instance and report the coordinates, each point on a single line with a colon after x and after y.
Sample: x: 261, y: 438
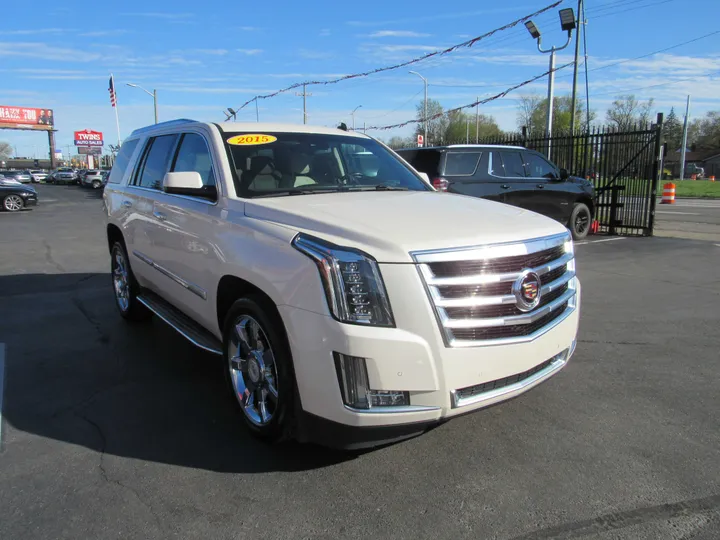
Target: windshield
x: 281, y: 164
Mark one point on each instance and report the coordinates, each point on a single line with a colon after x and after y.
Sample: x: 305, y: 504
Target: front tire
x: 13, y: 203
x: 580, y: 221
x: 258, y: 369
x: 125, y: 286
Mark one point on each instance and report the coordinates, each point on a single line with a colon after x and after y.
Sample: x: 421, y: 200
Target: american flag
x: 113, y: 97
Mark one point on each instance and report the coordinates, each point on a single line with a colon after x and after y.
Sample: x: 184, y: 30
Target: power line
x: 397, y: 109
x: 464, y: 44
x: 469, y: 105
x: 632, y: 9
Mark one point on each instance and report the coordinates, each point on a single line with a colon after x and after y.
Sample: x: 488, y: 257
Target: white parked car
x: 38, y: 176
x: 92, y: 178
x: 351, y: 309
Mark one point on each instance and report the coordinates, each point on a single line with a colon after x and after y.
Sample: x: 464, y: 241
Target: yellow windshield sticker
x: 251, y: 139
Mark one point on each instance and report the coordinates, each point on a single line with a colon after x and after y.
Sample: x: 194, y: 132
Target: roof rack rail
x: 179, y: 121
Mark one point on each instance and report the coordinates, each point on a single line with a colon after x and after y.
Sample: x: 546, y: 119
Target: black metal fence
x: 623, y: 166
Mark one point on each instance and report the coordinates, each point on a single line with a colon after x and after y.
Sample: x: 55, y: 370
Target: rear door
x: 554, y: 197
x: 469, y: 172
x: 424, y: 160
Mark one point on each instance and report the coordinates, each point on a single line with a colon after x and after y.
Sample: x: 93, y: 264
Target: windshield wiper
x: 300, y: 191
x: 378, y: 187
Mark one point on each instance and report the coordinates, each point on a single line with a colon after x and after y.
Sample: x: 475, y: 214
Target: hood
x: 390, y: 225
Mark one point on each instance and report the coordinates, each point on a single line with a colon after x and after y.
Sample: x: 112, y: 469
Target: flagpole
x: 117, y: 118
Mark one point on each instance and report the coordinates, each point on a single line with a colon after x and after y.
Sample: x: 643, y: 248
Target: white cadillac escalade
x: 352, y: 303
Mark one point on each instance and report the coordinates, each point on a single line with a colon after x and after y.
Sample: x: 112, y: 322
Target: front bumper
x: 30, y: 201
x: 443, y: 382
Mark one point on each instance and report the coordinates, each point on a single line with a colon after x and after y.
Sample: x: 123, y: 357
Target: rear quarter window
x: 427, y: 161
x: 461, y: 163
x: 122, y: 160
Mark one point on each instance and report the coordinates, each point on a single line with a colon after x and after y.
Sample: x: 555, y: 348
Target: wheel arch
x: 589, y: 202
x: 114, y: 234
x: 231, y: 287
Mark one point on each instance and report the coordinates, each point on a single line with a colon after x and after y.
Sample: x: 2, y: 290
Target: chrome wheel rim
x: 582, y: 222
x: 121, y: 281
x: 253, y: 372
x: 13, y: 203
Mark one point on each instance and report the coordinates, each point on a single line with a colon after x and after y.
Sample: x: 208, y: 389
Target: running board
x: 181, y: 323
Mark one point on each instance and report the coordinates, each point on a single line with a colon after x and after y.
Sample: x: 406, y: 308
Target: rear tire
x: 125, y: 286
x: 258, y: 371
x: 580, y: 221
x: 96, y: 184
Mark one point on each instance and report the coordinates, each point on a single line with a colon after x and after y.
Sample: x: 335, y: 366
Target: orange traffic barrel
x: 693, y: 177
x: 712, y: 178
x: 668, y: 196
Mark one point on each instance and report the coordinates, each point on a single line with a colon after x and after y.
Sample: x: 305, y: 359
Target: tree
x: 673, y: 131
x: 5, y: 150
x: 532, y: 113
x: 436, y: 126
x: 704, y: 133
x: 462, y: 127
x: 401, y: 142
x: 626, y: 111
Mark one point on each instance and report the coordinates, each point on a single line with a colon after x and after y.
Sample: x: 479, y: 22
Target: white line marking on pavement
x: 678, y: 213
x: 598, y: 241
x: 2, y: 387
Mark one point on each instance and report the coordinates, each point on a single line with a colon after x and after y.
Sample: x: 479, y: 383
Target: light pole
x: 152, y: 94
x: 567, y: 22
x: 353, y: 115
x: 425, y: 116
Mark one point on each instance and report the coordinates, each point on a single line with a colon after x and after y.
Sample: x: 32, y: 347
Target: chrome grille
x: 471, y: 289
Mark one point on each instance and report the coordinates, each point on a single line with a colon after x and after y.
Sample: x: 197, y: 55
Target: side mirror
x: 564, y: 174
x: 424, y: 176
x: 187, y: 183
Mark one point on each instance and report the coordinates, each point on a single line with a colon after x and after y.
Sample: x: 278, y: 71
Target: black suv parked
x: 509, y: 174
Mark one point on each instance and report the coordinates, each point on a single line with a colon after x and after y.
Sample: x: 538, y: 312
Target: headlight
x: 353, y: 286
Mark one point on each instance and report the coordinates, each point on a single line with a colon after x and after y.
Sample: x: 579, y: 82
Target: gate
x: 624, y: 166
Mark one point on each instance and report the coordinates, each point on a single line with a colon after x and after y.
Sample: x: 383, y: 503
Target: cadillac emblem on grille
x: 527, y: 290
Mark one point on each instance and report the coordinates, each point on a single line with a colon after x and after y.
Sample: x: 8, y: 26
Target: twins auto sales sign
x: 88, y: 137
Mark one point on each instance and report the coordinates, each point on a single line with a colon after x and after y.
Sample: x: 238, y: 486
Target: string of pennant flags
x: 469, y: 105
x: 464, y: 44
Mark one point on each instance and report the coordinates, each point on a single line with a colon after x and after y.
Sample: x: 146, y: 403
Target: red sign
x: 23, y: 116
x: 88, y: 137
x: 421, y: 140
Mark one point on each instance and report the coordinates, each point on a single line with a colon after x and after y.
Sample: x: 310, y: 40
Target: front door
x: 472, y: 173
x: 554, y: 196
x: 181, y: 248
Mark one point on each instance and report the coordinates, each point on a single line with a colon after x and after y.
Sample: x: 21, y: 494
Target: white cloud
x: 46, y: 52
x: 397, y: 33
x: 250, y: 52
x: 104, y: 33
x: 33, y: 31
x: 212, y: 52
x: 436, y: 16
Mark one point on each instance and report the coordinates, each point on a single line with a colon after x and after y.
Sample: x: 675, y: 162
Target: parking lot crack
x: 104, y: 338
x: 106, y: 477
x: 49, y: 257
x: 606, y: 342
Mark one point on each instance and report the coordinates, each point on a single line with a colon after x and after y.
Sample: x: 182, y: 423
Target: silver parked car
x: 92, y: 178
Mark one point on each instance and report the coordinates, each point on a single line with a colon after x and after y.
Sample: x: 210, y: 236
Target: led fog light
x: 355, y: 388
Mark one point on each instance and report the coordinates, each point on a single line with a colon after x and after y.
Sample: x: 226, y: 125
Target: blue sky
x: 203, y: 58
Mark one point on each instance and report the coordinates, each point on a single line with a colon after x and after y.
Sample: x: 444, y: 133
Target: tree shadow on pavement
x: 77, y: 372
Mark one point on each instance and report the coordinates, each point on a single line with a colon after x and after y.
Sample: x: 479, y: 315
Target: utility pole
x: 684, y: 143
x: 425, y: 116
x: 477, y: 121
x: 257, y: 111
x: 304, y: 96
x: 467, y: 130
x: 575, y: 68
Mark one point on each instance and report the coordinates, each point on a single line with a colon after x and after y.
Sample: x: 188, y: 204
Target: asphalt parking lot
x: 118, y: 431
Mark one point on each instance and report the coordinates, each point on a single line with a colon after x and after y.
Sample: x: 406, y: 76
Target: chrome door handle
x: 127, y: 204
x: 541, y: 186
x: 505, y: 186
x: 159, y: 215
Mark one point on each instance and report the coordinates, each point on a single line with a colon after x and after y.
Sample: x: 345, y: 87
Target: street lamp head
x: 567, y: 19
x: 133, y: 85
x: 534, y: 32
x: 231, y: 111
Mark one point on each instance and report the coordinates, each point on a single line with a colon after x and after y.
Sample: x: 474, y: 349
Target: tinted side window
x: 461, y: 163
x: 513, y: 163
x: 496, y: 165
x: 427, y: 161
x: 156, y: 162
x: 122, y: 161
x: 194, y: 155
x: 539, y: 167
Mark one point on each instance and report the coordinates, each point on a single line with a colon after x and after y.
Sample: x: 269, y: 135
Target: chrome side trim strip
x: 177, y: 329
x: 492, y: 251
x: 177, y: 279
x: 518, y: 387
x: 528, y: 318
x: 389, y: 410
x: 482, y: 279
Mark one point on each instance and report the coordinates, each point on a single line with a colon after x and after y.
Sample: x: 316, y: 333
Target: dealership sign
x: 89, y: 150
x: 26, y: 118
x: 88, y: 137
